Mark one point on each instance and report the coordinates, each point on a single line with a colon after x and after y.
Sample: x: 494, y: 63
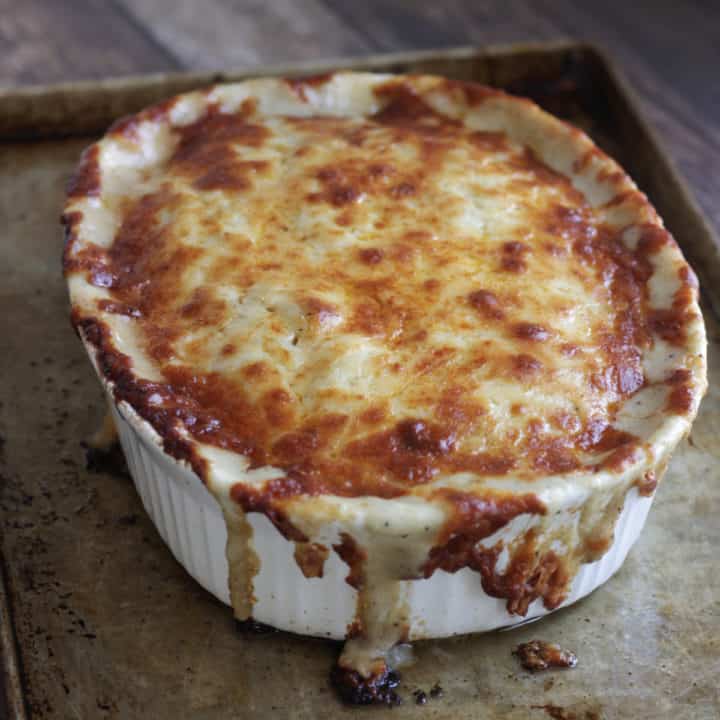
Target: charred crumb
x: 538, y: 655
x: 106, y: 704
x: 560, y: 713
x: 354, y: 689
x: 420, y: 697
x: 128, y: 520
x: 436, y: 691
x: 110, y: 461
x: 254, y: 627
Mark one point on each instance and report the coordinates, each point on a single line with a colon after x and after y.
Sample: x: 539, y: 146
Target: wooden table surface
x: 669, y: 49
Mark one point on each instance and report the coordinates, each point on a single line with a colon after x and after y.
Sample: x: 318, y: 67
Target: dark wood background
x: 669, y: 49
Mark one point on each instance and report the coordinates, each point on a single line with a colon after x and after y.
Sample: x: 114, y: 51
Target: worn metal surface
x: 109, y: 625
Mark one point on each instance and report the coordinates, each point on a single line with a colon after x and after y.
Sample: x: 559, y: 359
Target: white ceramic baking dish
x: 190, y: 521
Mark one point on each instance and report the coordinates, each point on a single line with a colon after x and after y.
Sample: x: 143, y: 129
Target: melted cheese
x: 339, y: 276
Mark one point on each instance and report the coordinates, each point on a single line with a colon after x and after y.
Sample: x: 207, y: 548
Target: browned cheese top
x: 370, y: 301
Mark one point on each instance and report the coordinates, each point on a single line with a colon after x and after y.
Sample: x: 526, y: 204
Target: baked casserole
x: 391, y: 357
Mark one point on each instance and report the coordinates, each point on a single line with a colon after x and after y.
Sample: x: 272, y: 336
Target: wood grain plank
x: 679, y: 40
x: 398, y: 24
x: 42, y: 41
x: 223, y: 34
x: 651, y: 43
x: 674, y: 66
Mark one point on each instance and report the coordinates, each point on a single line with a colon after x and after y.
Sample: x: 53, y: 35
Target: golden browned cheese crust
x: 369, y: 301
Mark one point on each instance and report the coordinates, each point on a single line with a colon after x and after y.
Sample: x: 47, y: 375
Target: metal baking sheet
x: 97, y: 620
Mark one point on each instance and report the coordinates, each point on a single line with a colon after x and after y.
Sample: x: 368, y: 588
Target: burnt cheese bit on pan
x: 538, y: 655
x: 406, y: 327
x: 357, y: 689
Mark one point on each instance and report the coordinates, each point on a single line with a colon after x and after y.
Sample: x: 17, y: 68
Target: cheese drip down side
x: 105, y: 436
x: 382, y: 621
x: 521, y: 554
x: 243, y: 561
x: 380, y: 565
